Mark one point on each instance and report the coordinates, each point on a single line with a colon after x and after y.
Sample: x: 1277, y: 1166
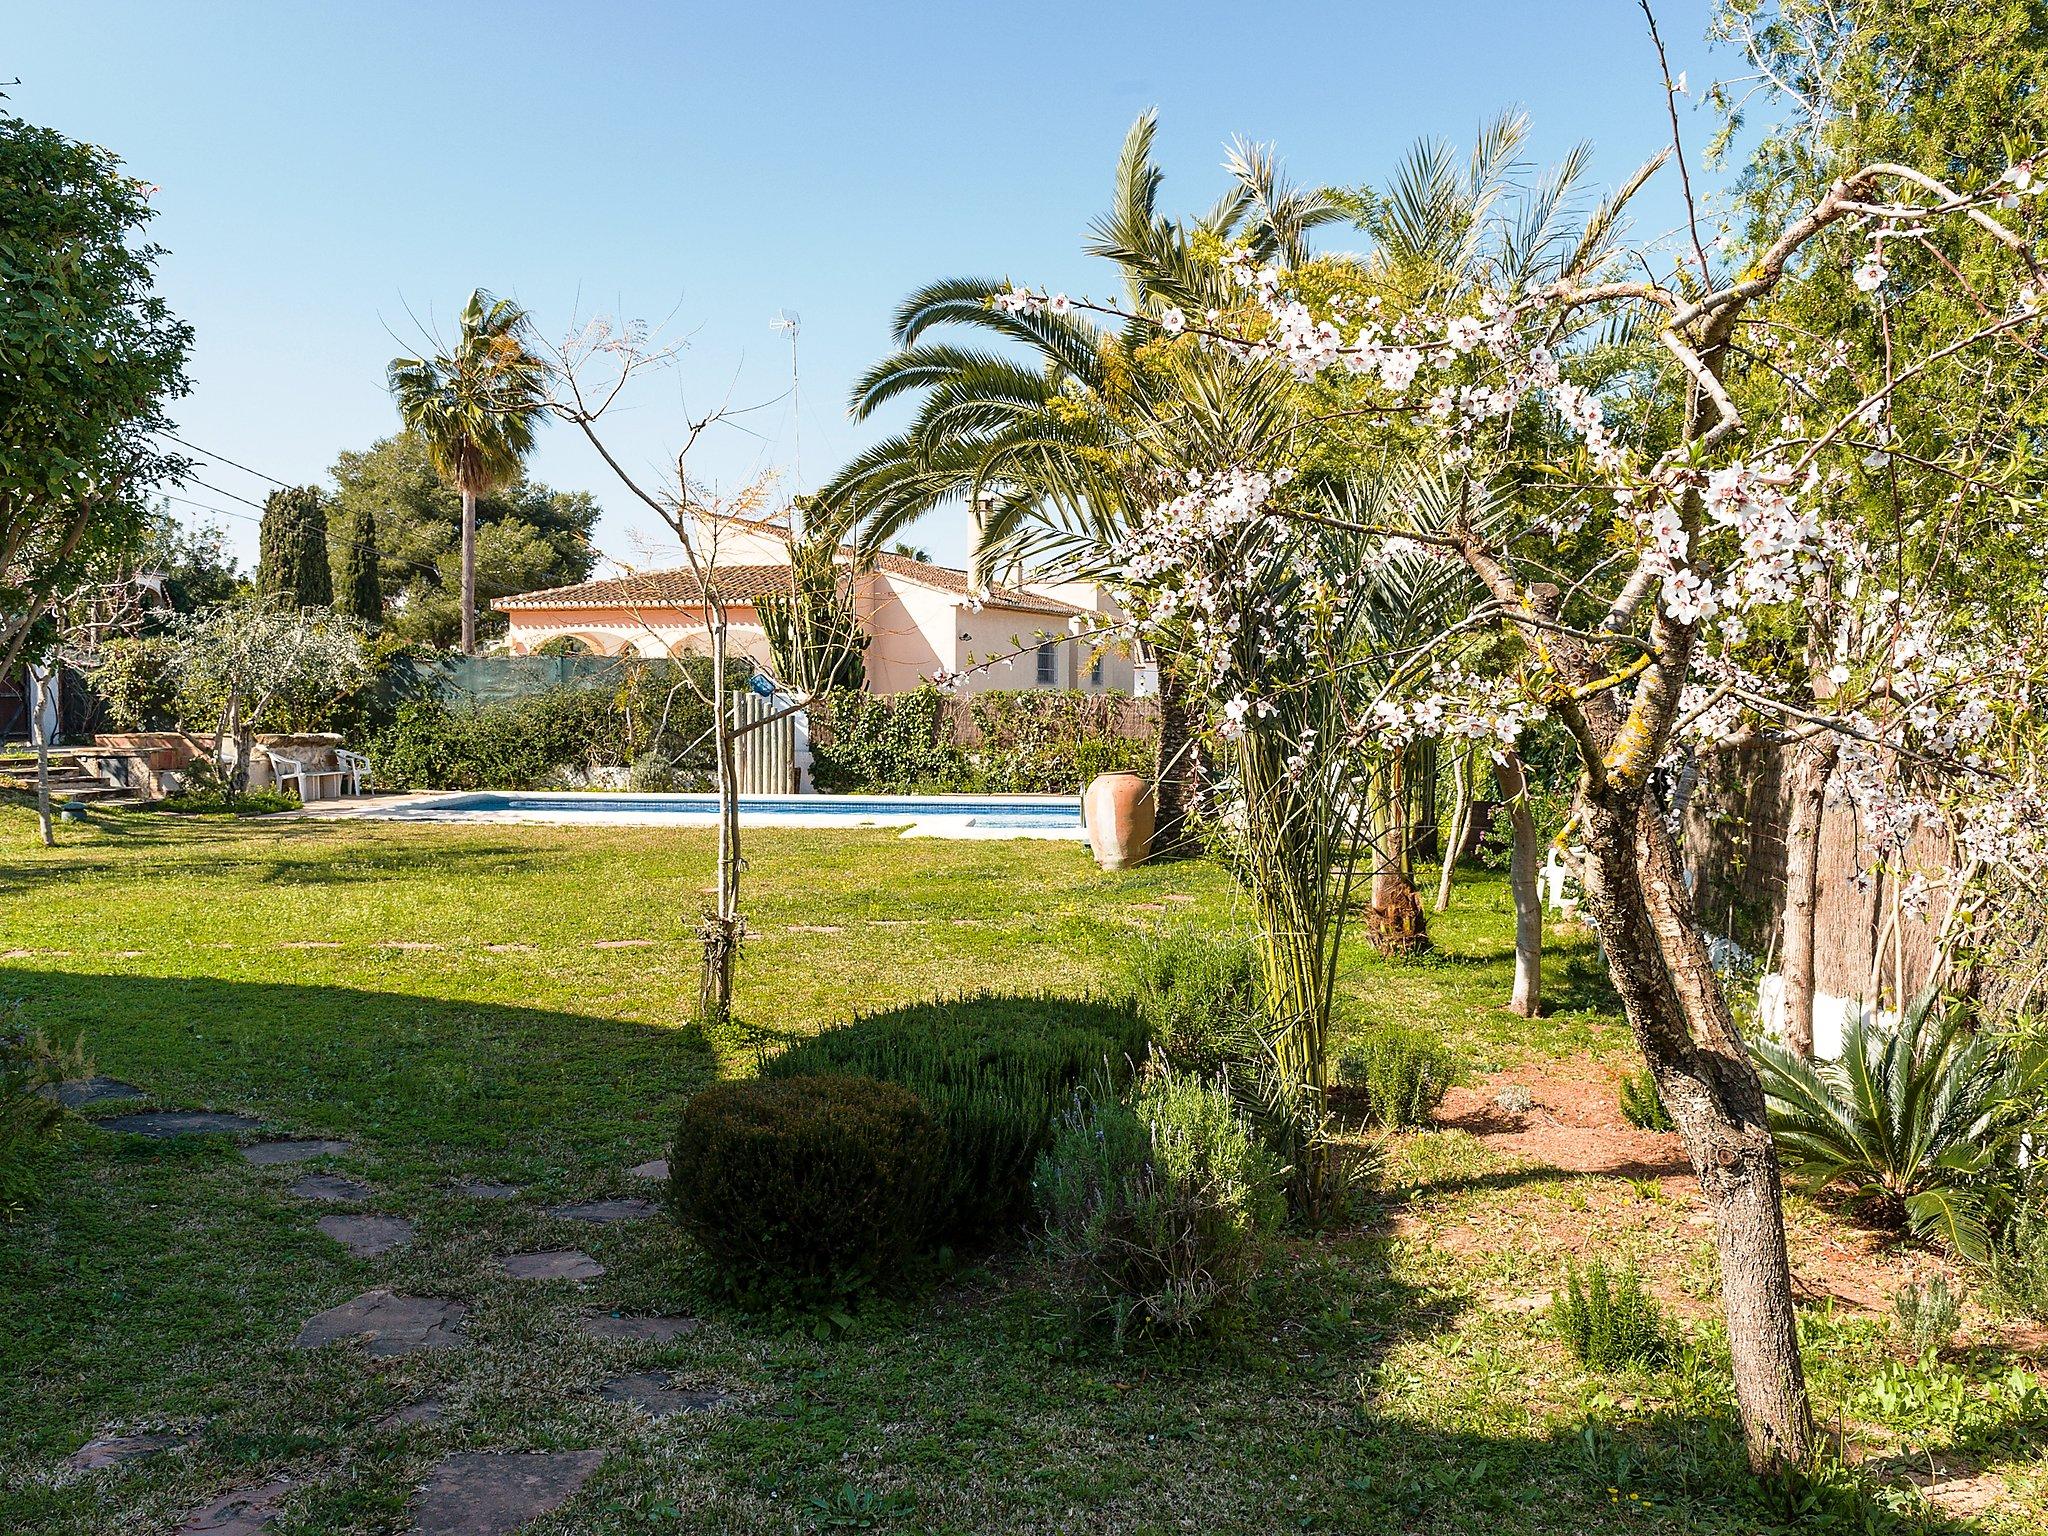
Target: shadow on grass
x: 408, y: 1071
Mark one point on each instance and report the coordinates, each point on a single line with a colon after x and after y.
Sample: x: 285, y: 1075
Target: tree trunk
x: 1462, y: 768
x: 43, y: 786
x: 469, y: 573
x: 1178, y: 776
x: 722, y: 927
x: 1397, y: 925
x: 1806, y: 791
x: 1514, y: 788
x: 1659, y: 962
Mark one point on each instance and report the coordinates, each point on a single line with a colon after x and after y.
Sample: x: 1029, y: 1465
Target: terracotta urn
x: 1117, y: 809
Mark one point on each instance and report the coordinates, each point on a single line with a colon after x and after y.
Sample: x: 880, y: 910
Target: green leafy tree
x: 358, y: 589
x: 291, y: 567
x: 194, y: 563
x: 528, y: 536
x: 475, y: 406
x: 91, y: 356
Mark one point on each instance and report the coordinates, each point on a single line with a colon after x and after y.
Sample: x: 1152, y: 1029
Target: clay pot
x: 1117, y: 809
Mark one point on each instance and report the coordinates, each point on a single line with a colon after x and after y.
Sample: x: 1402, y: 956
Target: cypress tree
x: 357, y: 590
x: 292, y: 565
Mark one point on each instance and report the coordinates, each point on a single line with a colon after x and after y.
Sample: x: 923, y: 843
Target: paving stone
x: 245, y: 1512
x: 483, y: 1493
x: 557, y: 1264
x: 604, y: 1212
x: 269, y: 1154
x: 78, y: 1092
x: 166, y: 1123
x: 655, y: 1395
x: 387, y: 1324
x: 427, y: 1410
x: 639, y: 1330
x: 484, y: 1189
x: 367, y: 1236
x: 112, y: 1450
x: 656, y: 1169
x: 330, y: 1186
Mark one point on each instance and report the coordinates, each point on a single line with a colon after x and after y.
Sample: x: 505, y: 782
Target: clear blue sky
x: 326, y: 168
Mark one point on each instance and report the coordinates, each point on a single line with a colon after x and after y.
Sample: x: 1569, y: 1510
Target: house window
x: 1095, y: 671
x: 1048, y: 664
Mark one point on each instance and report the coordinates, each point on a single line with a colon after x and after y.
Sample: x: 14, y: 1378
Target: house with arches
x: 923, y: 620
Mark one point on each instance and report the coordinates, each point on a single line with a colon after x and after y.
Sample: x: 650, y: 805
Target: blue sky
x: 325, y: 169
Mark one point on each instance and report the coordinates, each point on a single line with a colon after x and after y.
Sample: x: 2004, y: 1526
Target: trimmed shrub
x: 1606, y: 1319
x: 993, y: 1071
x: 886, y: 744
x: 1020, y: 741
x: 805, y: 1190
x: 1642, y: 1106
x: 1159, y: 1217
x: 1200, y: 998
x: 1401, y: 1074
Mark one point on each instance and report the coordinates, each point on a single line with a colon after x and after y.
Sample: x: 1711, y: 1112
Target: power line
x: 245, y: 469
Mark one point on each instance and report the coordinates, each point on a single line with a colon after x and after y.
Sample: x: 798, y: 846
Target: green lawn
x: 513, y: 1004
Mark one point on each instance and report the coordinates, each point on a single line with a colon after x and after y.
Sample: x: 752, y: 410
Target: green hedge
x: 1031, y: 741
x: 807, y: 1189
x: 994, y: 1070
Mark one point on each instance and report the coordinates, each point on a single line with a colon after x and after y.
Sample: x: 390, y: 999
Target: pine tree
x: 357, y: 590
x: 292, y: 564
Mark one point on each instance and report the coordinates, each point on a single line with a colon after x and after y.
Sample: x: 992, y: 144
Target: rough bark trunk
x: 469, y: 573
x: 1810, y: 766
x: 1660, y: 966
x: 1178, y: 774
x: 43, y: 787
x: 1528, y: 994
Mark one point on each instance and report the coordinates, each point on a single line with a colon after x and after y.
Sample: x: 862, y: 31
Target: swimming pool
x: 968, y: 816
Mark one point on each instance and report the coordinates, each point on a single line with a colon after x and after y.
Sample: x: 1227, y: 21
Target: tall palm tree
x: 475, y: 406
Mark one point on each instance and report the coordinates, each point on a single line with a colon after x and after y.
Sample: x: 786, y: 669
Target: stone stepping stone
x: 556, y: 1264
x: 78, y: 1092
x: 163, y: 1124
x: 655, y: 1395
x: 331, y: 1187
x: 269, y: 1154
x: 484, y: 1189
x: 367, y: 1236
x: 639, y: 1330
x: 656, y: 1169
x: 387, y: 1324
x: 605, y: 1212
x: 245, y: 1512
x: 488, y: 1493
x: 427, y: 1410
x: 112, y: 1450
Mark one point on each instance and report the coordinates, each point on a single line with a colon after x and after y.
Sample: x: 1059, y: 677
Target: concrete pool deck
x: 973, y: 817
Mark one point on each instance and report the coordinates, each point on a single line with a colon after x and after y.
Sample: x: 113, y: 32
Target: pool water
x: 970, y: 816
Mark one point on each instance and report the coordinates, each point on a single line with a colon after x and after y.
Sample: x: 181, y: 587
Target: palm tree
x: 1060, y: 451
x: 475, y: 406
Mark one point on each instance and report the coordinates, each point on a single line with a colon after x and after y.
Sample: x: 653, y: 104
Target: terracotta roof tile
x: 677, y: 588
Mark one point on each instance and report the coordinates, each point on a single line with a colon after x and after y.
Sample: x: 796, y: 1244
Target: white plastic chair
x: 355, y: 771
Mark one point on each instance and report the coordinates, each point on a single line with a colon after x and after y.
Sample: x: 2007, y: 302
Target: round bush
x: 806, y: 1189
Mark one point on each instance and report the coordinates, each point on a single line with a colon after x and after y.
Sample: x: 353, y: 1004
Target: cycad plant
x: 1920, y: 1117
x: 475, y: 406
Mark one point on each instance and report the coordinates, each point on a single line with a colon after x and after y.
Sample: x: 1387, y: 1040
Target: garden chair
x: 355, y: 771
x: 293, y: 770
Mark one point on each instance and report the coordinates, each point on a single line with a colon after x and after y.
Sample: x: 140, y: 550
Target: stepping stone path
x: 245, y: 1512
x: 605, y: 1212
x: 387, y: 1324
x: 483, y: 1493
x: 658, y: 1397
x: 163, y: 1124
x: 557, y: 1264
x: 331, y: 1187
x: 367, y: 1236
x: 112, y: 1450
x: 657, y: 1169
x: 639, y: 1330
x: 269, y: 1154
x: 81, y: 1091
x: 484, y: 1189
x: 427, y: 1410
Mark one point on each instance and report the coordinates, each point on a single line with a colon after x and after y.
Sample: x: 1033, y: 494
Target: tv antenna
x: 790, y: 321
